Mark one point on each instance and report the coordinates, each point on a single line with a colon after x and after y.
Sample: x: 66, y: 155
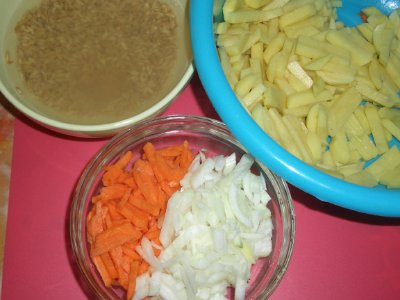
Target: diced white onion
x: 214, y: 228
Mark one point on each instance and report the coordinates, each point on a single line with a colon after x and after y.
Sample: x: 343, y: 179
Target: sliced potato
x: 256, y: 3
x: 363, y: 144
x: 299, y: 14
x: 303, y: 77
x: 340, y: 148
x: 392, y: 128
x: 295, y: 68
x: 391, y: 178
x: 363, y: 178
x: 283, y: 133
x: 243, y: 16
x: 275, y: 4
x: 383, y: 35
x: 377, y: 130
x: 245, y: 84
x: 388, y: 161
x: 351, y: 169
x: 315, y: 146
x: 298, y: 137
x: 255, y: 95
x: 341, y: 109
x: 318, y: 64
x: 341, y: 39
x: 274, y: 47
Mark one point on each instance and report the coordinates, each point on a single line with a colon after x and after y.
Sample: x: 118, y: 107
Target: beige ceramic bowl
x: 12, y: 86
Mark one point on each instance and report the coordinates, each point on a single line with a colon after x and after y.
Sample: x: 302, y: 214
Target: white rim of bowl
x: 102, y: 127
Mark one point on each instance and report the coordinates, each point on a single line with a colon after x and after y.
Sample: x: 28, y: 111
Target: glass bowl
x: 201, y: 133
x: 376, y: 201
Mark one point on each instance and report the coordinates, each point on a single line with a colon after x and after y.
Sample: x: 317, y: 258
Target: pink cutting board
x: 338, y: 254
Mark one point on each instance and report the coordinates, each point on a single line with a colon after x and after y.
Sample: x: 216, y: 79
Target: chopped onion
x: 213, y: 230
x: 142, y: 287
x: 154, y: 283
x: 146, y: 251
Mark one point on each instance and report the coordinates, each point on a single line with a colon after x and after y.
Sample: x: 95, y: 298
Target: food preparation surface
x: 6, y: 143
x: 338, y: 254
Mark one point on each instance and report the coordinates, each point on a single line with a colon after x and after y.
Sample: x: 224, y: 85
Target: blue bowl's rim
x: 375, y: 201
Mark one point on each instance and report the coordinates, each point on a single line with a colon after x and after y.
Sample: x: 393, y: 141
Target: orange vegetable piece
x: 95, y: 223
x: 124, y: 160
x: 100, y: 266
x: 363, y: 17
x: 131, y: 253
x: 125, y: 198
x: 111, y: 192
x: 143, y: 267
x: 150, y: 154
x: 153, y: 232
x: 123, y: 277
x: 128, y: 206
x: 114, y: 212
x: 137, y: 199
x: 115, y: 236
x: 156, y: 241
x: 138, y: 217
x: 109, y: 264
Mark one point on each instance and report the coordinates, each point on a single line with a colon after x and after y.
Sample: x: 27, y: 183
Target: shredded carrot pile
x: 128, y: 207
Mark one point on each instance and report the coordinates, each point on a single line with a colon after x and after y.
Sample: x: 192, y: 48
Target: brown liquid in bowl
x: 96, y: 61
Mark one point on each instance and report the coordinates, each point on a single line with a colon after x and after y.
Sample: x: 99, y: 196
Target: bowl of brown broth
x: 92, y: 67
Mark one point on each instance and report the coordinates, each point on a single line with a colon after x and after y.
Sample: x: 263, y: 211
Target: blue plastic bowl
x: 376, y: 201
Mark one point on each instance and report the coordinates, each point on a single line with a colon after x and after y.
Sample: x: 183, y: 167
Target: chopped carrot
x: 115, y: 236
x: 138, y: 217
x: 131, y: 253
x: 154, y: 221
x: 363, y: 16
x: 111, y: 176
x: 115, y: 175
x: 124, y: 160
x: 124, y: 198
x: 115, y: 172
x: 149, y: 190
x: 133, y: 197
x: 137, y: 199
x: 108, y: 223
x: 153, y: 232
x: 172, y: 151
x: 169, y: 171
x: 95, y: 223
x: 150, y: 151
x: 90, y: 215
x: 123, y: 277
x: 163, y: 197
x: 109, y: 264
x: 166, y: 188
x: 143, y: 267
x: 112, y: 192
x: 115, y: 214
x: 156, y: 241
x: 105, y: 276
x: 187, y: 156
x: 116, y: 256
x: 130, y: 181
x: 126, y: 263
